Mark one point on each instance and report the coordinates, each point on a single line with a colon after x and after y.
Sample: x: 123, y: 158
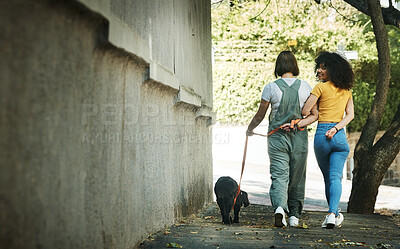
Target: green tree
x: 373, y: 160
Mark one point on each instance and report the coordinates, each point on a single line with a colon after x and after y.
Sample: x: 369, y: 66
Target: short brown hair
x: 285, y: 63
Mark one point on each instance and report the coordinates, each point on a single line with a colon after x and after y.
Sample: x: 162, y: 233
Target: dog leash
x: 241, y: 174
x: 293, y: 125
x: 243, y: 163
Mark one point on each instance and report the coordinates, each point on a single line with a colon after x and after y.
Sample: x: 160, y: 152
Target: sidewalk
x: 256, y: 230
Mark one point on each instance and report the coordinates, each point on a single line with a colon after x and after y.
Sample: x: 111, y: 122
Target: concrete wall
x: 105, y: 113
x: 392, y: 176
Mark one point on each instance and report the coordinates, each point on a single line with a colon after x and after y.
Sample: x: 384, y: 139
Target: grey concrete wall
x: 104, y: 120
x: 172, y: 35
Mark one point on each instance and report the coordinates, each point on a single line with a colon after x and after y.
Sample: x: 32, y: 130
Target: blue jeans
x: 331, y: 155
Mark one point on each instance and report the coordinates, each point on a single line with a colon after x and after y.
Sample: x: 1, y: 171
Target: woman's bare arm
x: 311, y: 118
x: 309, y: 105
x: 258, y: 117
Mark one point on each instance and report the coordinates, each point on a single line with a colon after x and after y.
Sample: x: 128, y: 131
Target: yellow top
x: 332, y: 101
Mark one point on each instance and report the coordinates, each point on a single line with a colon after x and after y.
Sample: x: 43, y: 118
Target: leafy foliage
x: 248, y: 37
x: 363, y: 96
x: 366, y: 70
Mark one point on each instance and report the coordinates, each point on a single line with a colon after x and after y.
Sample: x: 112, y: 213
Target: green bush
x: 363, y: 96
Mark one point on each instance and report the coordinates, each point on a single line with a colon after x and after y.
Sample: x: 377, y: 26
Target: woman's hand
x: 286, y: 127
x: 329, y: 134
x: 349, y: 116
x: 249, y: 133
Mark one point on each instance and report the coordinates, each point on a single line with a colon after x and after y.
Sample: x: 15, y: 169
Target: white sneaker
x: 293, y: 221
x: 339, y: 219
x: 330, y: 221
x: 280, y: 220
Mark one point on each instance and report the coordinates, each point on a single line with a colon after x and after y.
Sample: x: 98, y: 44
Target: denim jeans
x: 331, y: 155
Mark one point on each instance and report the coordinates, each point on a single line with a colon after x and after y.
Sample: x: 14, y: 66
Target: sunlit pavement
x: 228, y: 148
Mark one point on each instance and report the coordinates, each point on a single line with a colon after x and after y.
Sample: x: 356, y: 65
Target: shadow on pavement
x: 256, y: 230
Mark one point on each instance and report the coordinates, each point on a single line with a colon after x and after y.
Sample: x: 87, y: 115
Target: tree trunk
x: 365, y: 187
x: 376, y: 161
x: 372, y: 161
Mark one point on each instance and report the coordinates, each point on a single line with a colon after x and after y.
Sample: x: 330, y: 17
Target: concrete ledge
x: 188, y: 96
x: 121, y: 35
x: 205, y: 112
x: 160, y: 74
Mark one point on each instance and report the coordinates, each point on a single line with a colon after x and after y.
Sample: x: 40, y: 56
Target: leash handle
x: 293, y: 125
x: 241, y: 174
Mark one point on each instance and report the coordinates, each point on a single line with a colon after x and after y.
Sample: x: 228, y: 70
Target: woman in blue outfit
x: 336, y: 110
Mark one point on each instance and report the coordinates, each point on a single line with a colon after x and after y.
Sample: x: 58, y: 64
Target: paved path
x: 256, y: 230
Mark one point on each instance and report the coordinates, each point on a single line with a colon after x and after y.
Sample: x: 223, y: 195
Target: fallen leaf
x: 347, y: 244
x: 304, y: 226
x: 173, y: 245
x: 383, y: 246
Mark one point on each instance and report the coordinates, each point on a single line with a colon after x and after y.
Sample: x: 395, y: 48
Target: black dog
x: 225, y: 189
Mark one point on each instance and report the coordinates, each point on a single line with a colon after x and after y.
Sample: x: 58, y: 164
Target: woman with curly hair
x: 330, y: 144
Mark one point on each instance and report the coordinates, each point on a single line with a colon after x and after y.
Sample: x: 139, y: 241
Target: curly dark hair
x: 286, y: 63
x: 339, y: 69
